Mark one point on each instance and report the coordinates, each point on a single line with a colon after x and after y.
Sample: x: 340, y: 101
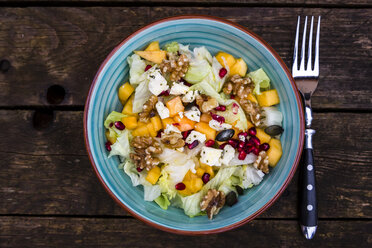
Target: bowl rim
x: 298, y: 100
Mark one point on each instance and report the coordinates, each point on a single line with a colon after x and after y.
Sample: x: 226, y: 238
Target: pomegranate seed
x: 185, y: 82
x: 111, y: 124
x: 164, y: 93
x: 252, y: 131
x: 180, y: 186
x: 242, y: 155
x: 241, y: 144
x: 222, y: 145
x: 206, y: 177
x: 264, y: 147
x: 147, y: 67
x: 245, y: 134
x: 249, y: 149
x: 139, y: 169
x: 218, y: 118
x: 240, y: 149
x: 193, y: 144
x: 108, y: 146
x: 158, y: 135
x: 119, y: 125
x: 185, y: 134
x: 255, y: 140
x: 232, y: 97
x: 209, y: 143
x: 222, y: 72
x: 234, y: 143
x: 255, y: 151
x: 220, y: 108
x: 175, y: 124
x: 235, y: 108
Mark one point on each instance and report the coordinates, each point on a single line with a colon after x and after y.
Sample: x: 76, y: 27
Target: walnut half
x: 172, y: 140
x: 212, y: 202
x: 148, y: 107
x: 262, y: 162
x: 145, y: 148
x: 206, y: 103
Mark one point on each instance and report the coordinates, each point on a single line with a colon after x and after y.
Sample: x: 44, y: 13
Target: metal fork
x: 307, y: 81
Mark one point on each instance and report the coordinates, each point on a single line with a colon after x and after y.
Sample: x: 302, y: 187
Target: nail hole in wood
x: 55, y: 94
x: 42, y: 119
x: 4, y: 65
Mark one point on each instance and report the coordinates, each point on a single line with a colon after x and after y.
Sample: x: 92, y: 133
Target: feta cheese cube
x: 162, y: 110
x: 193, y: 114
x: 178, y: 89
x: 171, y: 128
x: 219, y: 126
x: 190, y: 96
x: 195, y: 135
x: 228, y: 154
x: 211, y: 156
x: 157, y: 83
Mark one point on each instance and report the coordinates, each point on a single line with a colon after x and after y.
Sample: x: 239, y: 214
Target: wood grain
x: 46, y: 170
x: 97, y: 232
x: 65, y: 46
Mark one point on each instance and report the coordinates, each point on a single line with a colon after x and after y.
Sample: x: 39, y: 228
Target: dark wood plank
x: 46, y: 170
x: 65, y: 46
x: 92, y: 232
x: 285, y: 3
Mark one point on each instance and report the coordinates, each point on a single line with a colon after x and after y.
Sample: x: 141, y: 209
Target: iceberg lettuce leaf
x: 260, y: 80
x: 151, y: 192
x: 131, y: 170
x: 112, y: 117
x: 122, y: 145
x: 172, y: 47
x: 197, y: 71
x: 137, y: 68
x: 141, y: 95
x: 252, y: 176
x: 272, y: 116
x: 163, y: 201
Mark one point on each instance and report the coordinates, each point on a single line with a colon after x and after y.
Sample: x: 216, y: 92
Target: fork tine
x: 309, y: 51
x: 302, y: 64
x: 316, y: 63
x: 295, y: 51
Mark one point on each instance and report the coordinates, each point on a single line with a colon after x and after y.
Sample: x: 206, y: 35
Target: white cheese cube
x: 193, y: 114
x: 157, y: 83
x: 178, y: 89
x: 211, y: 156
x: 162, y: 110
x: 195, y: 135
x: 219, y: 126
x: 228, y: 154
x: 190, y: 96
x: 171, y: 128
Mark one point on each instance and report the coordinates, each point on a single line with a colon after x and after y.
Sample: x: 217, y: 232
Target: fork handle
x: 308, y: 202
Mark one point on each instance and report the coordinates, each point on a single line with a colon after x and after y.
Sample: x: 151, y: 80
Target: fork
x: 307, y: 81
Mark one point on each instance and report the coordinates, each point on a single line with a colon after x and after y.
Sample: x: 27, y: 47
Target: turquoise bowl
x: 216, y: 34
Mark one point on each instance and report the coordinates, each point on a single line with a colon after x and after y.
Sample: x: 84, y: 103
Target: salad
x: 195, y: 130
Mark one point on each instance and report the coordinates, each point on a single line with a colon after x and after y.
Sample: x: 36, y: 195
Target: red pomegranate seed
x: 206, y: 177
x: 245, y: 134
x: 252, y: 131
x: 193, y: 144
x: 218, y: 118
x: 209, y: 143
x: 240, y: 149
x: 234, y: 143
x: 108, y: 146
x: 255, y: 140
x: 119, y: 125
x: 185, y: 134
x: 232, y: 97
x: 185, y: 82
x: 241, y: 144
x: 220, y: 108
x: 222, y: 72
x: 235, y: 108
x: 111, y: 124
x: 255, y: 151
x: 147, y: 67
x: 264, y: 147
x: 175, y: 124
x: 139, y: 169
x: 164, y: 93
x: 242, y: 155
x: 158, y: 135
x: 180, y: 186
x: 222, y: 145
x: 249, y: 149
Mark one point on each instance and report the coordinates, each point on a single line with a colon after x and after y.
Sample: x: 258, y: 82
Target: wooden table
x: 49, y: 195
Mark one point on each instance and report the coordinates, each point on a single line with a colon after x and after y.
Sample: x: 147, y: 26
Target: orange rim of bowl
x: 299, y: 150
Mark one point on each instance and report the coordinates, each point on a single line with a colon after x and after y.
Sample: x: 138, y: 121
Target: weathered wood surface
x: 65, y: 46
x: 277, y: 3
x: 45, y: 171
x: 99, y: 232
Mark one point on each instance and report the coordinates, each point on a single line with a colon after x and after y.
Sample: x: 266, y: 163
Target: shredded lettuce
x: 137, y: 68
x: 131, y: 170
x: 197, y: 71
x: 163, y: 201
x: 252, y: 176
x: 171, y: 47
x: 260, y: 80
x: 217, y: 82
x: 151, y: 192
x: 141, y: 95
x: 272, y: 116
x: 234, y: 114
x: 201, y: 53
x: 249, y: 159
x: 185, y: 50
x: 166, y: 185
x: 122, y: 145
x: 112, y: 117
